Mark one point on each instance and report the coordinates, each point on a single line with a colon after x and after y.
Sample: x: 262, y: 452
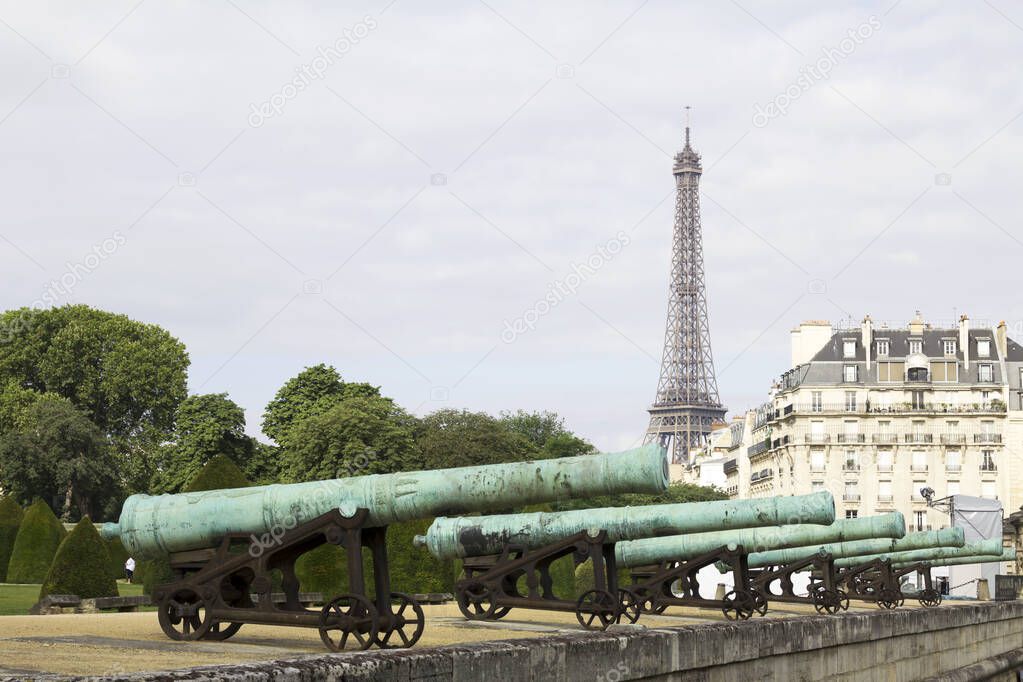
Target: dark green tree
x: 205, y: 426
x: 547, y: 432
x: 675, y: 494
x: 264, y: 467
x: 219, y: 473
x: 11, y: 515
x: 58, y: 454
x: 35, y: 545
x: 357, y: 436
x: 124, y: 374
x: 313, y: 391
x: 456, y: 438
x: 81, y: 565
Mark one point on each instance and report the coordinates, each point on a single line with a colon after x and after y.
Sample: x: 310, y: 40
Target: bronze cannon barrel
x: 150, y: 525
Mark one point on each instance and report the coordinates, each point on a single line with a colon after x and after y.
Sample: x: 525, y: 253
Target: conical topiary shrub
x: 35, y: 545
x: 10, y: 520
x: 218, y: 474
x: 118, y: 555
x: 81, y: 565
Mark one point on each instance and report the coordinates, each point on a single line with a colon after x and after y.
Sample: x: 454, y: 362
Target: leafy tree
x: 264, y: 467
x: 11, y: 515
x: 59, y: 454
x: 547, y: 432
x: 220, y: 473
x: 35, y: 545
x: 457, y: 438
x: 676, y: 493
x: 359, y: 435
x: 205, y: 426
x: 313, y: 391
x: 80, y: 566
x: 118, y: 555
x: 124, y: 374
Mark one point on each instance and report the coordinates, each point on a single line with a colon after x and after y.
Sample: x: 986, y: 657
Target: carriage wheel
x: 597, y: 609
x: 843, y: 599
x: 887, y: 598
x: 760, y: 602
x: 476, y: 602
x: 645, y: 601
x: 407, y: 620
x: 827, y: 601
x: 738, y: 605
x: 348, y: 615
x: 183, y: 615
x: 629, y: 604
x: 929, y: 597
x: 219, y: 632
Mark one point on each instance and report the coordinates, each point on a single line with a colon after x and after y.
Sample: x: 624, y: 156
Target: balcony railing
x: 920, y: 529
x: 758, y: 448
x: 884, y: 468
x: 851, y: 466
x: 901, y: 408
x: 953, y: 438
x: 987, y: 438
x: 818, y: 438
x: 885, y: 499
x: 890, y: 438
x: 852, y: 438
x: 918, y: 467
x: 953, y: 467
x: 918, y: 438
x: 851, y: 497
x: 886, y: 438
x: 988, y: 466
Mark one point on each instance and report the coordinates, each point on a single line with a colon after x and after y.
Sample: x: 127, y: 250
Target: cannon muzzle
x: 682, y: 547
x: 150, y: 525
x: 448, y: 538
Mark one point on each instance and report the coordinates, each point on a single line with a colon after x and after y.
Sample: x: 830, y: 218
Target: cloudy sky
x: 387, y: 190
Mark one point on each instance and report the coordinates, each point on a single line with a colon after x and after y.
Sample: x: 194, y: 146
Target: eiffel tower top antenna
x: 687, y: 124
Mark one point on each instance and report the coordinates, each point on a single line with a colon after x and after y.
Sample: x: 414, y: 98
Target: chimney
x: 808, y: 338
x: 916, y: 325
x: 1002, y: 340
x: 964, y: 339
x: 866, y: 335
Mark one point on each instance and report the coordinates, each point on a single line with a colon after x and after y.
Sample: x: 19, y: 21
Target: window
x: 849, y: 373
x: 916, y: 346
x: 849, y: 348
x: 983, y: 348
x: 816, y: 459
x: 852, y: 460
x: 852, y: 491
x: 817, y: 485
x: 884, y: 460
x: 884, y: 490
x: 917, y: 374
x: 882, y: 348
x: 942, y: 371
x: 953, y: 460
x: 890, y: 371
x: 985, y: 372
x: 919, y: 460
x: 850, y: 401
x: 920, y: 520
x: 918, y: 400
x: 987, y: 460
x: 851, y: 513
x: 816, y: 401
x: 949, y: 346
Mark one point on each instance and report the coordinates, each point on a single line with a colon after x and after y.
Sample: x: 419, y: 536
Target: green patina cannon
x: 1006, y: 555
x: 667, y: 567
x: 877, y: 577
x: 229, y: 547
x: 508, y: 557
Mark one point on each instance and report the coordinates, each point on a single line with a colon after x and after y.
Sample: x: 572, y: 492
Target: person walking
x: 129, y: 568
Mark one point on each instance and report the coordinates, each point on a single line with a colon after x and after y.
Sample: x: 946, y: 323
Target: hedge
x: 81, y: 565
x: 220, y: 473
x: 35, y: 545
x: 11, y: 515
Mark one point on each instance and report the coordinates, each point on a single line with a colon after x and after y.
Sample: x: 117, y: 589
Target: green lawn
x: 16, y: 600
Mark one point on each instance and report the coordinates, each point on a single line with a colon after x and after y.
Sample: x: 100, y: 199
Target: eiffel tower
x: 687, y: 402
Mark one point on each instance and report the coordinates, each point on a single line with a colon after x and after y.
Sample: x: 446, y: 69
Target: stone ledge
x: 632, y: 654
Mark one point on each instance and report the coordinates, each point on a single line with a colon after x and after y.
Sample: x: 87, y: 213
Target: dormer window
x: 983, y: 348
x: 916, y: 346
x: 949, y: 346
x: 849, y: 348
x: 883, y: 347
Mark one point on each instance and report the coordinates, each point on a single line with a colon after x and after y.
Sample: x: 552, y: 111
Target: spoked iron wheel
x: 348, y: 616
x: 760, y: 602
x: 630, y: 606
x: 887, y: 598
x: 406, y: 623
x: 929, y: 597
x: 843, y: 599
x: 476, y: 602
x: 738, y: 605
x: 597, y: 609
x: 827, y: 601
x: 218, y: 632
x: 645, y: 601
x: 184, y: 616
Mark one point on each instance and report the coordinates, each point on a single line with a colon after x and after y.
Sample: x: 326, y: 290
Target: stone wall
x: 957, y: 642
